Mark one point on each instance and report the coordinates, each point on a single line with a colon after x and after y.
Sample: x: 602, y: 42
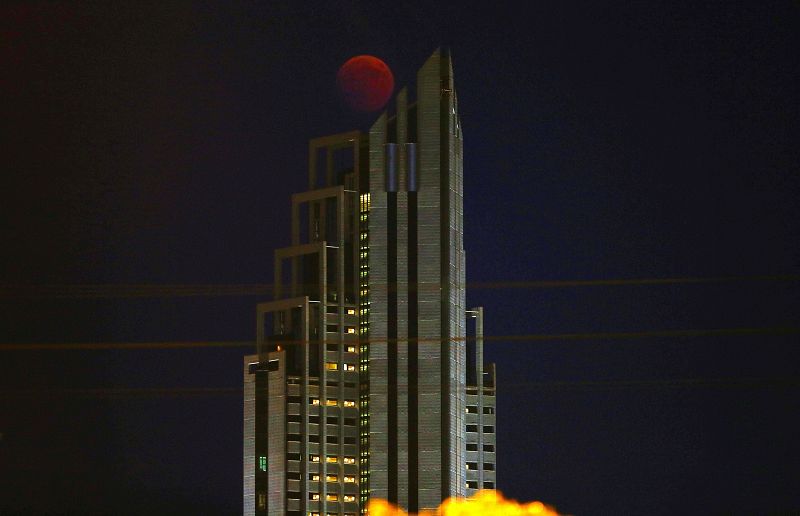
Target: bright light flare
x: 483, y: 503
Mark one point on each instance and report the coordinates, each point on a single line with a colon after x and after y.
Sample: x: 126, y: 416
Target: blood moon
x: 365, y: 82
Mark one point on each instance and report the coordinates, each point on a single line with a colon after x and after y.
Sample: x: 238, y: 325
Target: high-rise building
x: 366, y: 383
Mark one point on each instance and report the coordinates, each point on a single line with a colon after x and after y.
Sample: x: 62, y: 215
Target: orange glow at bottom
x: 482, y: 504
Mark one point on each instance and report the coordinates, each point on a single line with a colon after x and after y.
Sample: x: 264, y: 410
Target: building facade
x: 365, y: 383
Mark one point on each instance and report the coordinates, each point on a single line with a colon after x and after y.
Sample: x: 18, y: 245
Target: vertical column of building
x: 364, y: 347
x: 456, y: 352
x: 379, y: 317
x: 433, y: 464
x: 399, y: 469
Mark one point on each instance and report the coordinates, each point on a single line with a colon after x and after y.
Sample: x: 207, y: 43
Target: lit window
x: 331, y: 402
x: 331, y: 478
x: 350, y: 367
x: 349, y: 479
x: 332, y: 497
x: 313, y: 458
x: 314, y: 477
x: 262, y: 463
x: 472, y: 484
x: 349, y: 498
x: 313, y: 496
x: 262, y: 501
x: 331, y: 366
x: 313, y: 401
x: 472, y: 465
x: 351, y: 311
x: 472, y: 409
x: 333, y: 459
x: 349, y: 460
x: 351, y: 349
x: 351, y: 329
x: 349, y: 403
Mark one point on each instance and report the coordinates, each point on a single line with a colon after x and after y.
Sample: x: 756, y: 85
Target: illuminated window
x: 331, y: 366
x: 351, y: 349
x: 472, y: 409
x: 349, y: 498
x: 472, y: 465
x: 262, y: 501
x: 262, y: 463
x: 350, y: 367
x: 331, y: 402
x: 313, y: 401
x: 313, y: 496
x: 314, y: 477
x: 349, y: 479
x: 349, y: 460
x: 472, y: 484
x: 332, y: 459
x: 349, y: 403
x: 332, y: 497
x: 350, y: 329
x: 351, y: 311
x: 331, y: 478
x: 313, y: 458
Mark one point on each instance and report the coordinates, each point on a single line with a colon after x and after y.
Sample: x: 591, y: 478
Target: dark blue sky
x: 160, y: 146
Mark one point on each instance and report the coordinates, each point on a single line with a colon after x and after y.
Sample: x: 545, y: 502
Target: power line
x: 591, y: 385
x: 531, y: 337
x: 145, y: 290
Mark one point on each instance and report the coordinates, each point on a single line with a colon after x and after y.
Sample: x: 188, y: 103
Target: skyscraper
x: 365, y: 383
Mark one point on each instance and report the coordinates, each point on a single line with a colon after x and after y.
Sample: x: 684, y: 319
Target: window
x: 472, y: 466
x: 331, y: 478
x: 332, y: 459
x: 349, y: 440
x: 351, y: 311
x: 293, y: 399
x: 262, y: 501
x: 472, y: 447
x: 293, y: 418
x: 488, y: 466
x: 349, y: 403
x: 349, y: 498
x: 293, y: 495
x: 313, y: 496
x: 349, y: 460
x: 313, y: 438
x: 313, y: 419
x: 488, y: 447
x: 331, y: 366
x: 351, y: 349
x: 332, y: 497
x: 293, y: 437
x: 293, y: 456
x: 331, y: 402
x: 488, y: 429
x: 332, y: 439
x: 262, y: 463
x: 332, y: 420
x: 488, y: 485
x: 313, y: 458
x: 332, y: 328
x: 349, y: 479
x: 332, y: 383
x: 472, y: 409
x: 350, y: 421
x: 350, y: 385
x: 472, y: 428
x: 314, y: 477
x: 313, y: 401
x: 488, y: 410
x: 349, y: 367
x: 472, y: 484
x: 332, y: 347
x: 293, y: 475
x: 274, y: 365
x: 350, y: 329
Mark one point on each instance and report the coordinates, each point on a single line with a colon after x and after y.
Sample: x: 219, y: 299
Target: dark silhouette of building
x: 365, y: 383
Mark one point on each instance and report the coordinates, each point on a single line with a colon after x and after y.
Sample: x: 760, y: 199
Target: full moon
x: 365, y: 82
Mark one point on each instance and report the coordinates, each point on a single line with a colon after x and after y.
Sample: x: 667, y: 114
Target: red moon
x: 365, y: 82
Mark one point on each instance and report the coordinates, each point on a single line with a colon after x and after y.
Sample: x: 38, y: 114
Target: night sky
x: 160, y: 145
